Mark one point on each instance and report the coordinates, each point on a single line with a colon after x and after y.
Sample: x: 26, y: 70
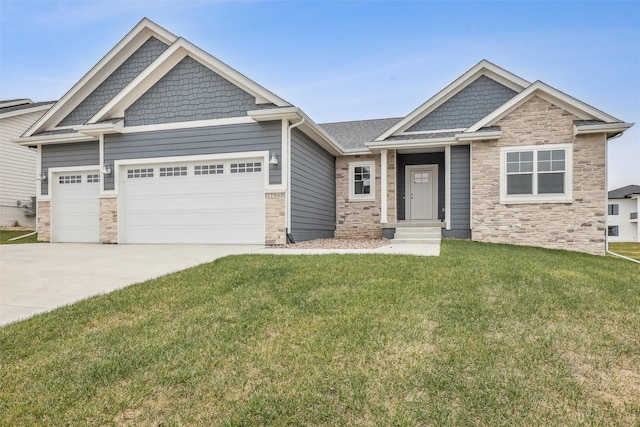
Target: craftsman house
x: 162, y: 143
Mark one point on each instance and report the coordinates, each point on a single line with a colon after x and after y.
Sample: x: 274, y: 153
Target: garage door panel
x: 217, y: 208
x: 75, y: 207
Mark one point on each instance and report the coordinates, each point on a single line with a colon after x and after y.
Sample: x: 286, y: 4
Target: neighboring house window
x: 534, y: 174
x: 613, y: 209
x: 612, y: 230
x: 362, y: 181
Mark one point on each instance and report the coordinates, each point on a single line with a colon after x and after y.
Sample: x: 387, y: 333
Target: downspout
x: 288, y: 193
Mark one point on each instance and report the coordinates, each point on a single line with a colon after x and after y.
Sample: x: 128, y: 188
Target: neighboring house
x: 622, y: 214
x: 18, y: 164
x: 162, y: 143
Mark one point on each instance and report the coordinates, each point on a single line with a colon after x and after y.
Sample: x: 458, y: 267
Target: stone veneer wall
x: 275, y: 221
x: 361, y: 218
x: 44, y: 221
x: 109, y: 219
x: 578, y: 226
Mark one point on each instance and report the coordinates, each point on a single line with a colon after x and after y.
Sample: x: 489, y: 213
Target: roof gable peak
x: 482, y: 68
x: 141, y: 33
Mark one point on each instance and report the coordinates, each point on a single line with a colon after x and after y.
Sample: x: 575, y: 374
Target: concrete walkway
x: 35, y: 278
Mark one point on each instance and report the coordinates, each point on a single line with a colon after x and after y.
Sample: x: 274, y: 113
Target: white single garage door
x: 215, y: 202
x: 75, y: 207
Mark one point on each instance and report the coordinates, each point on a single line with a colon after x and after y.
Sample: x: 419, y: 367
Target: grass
x: 482, y: 335
x: 628, y: 249
x: 5, y: 235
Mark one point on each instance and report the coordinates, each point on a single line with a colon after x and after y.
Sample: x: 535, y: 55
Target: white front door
x: 421, y: 187
x: 75, y: 207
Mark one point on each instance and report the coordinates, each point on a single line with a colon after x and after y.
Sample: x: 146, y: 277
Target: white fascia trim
x: 25, y: 111
x: 186, y: 125
x: 98, y: 129
x: 165, y: 63
x: 601, y: 128
x: 478, y: 136
x: 103, y: 69
x: 549, y: 94
x: 484, y: 67
x: 64, y: 138
x: 427, y: 132
x: 414, y: 143
x: 309, y: 127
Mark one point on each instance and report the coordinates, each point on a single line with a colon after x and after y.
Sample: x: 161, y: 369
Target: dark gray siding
x: 195, y: 141
x: 313, y: 190
x: 460, y: 188
x: 466, y: 107
x: 64, y: 155
x: 419, y: 159
x: 113, y: 84
x: 190, y: 91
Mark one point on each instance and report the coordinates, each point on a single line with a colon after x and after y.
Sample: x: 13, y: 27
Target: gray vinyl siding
x: 190, y: 91
x: 113, y: 84
x: 466, y: 107
x: 460, y: 188
x: 66, y: 155
x: 195, y: 141
x: 419, y: 159
x: 313, y: 190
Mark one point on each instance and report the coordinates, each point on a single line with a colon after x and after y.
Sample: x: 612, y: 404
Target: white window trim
x: 352, y: 185
x: 567, y: 197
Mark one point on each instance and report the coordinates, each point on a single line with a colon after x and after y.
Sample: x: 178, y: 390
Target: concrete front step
x: 419, y: 241
x: 417, y: 235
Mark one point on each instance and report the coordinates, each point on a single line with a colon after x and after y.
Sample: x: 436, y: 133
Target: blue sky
x: 351, y: 60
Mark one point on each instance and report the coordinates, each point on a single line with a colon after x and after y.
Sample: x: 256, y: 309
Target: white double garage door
x: 203, y: 202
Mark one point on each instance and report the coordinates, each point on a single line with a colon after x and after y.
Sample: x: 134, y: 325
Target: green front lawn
x: 484, y: 335
x: 629, y: 249
x: 5, y: 235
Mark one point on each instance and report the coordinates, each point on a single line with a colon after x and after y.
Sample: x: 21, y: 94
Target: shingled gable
x: 483, y: 70
x: 166, y: 62
x: 117, y: 56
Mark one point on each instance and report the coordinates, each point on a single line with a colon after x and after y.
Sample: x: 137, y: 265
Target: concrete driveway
x: 35, y: 278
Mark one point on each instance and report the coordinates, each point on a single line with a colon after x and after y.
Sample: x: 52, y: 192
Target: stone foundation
x: 109, y: 219
x: 577, y: 226
x: 44, y: 221
x: 275, y: 220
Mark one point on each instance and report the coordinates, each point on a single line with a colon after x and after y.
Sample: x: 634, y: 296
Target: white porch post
x: 447, y: 186
x: 383, y: 189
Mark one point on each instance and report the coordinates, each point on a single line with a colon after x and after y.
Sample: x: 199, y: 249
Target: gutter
x: 23, y: 236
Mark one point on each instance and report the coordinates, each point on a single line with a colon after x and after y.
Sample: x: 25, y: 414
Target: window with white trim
x: 362, y: 181
x: 613, y: 209
x: 208, y: 169
x: 70, y: 179
x: 173, y: 171
x: 612, y: 230
x: 247, y: 167
x: 140, y: 173
x: 539, y: 173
